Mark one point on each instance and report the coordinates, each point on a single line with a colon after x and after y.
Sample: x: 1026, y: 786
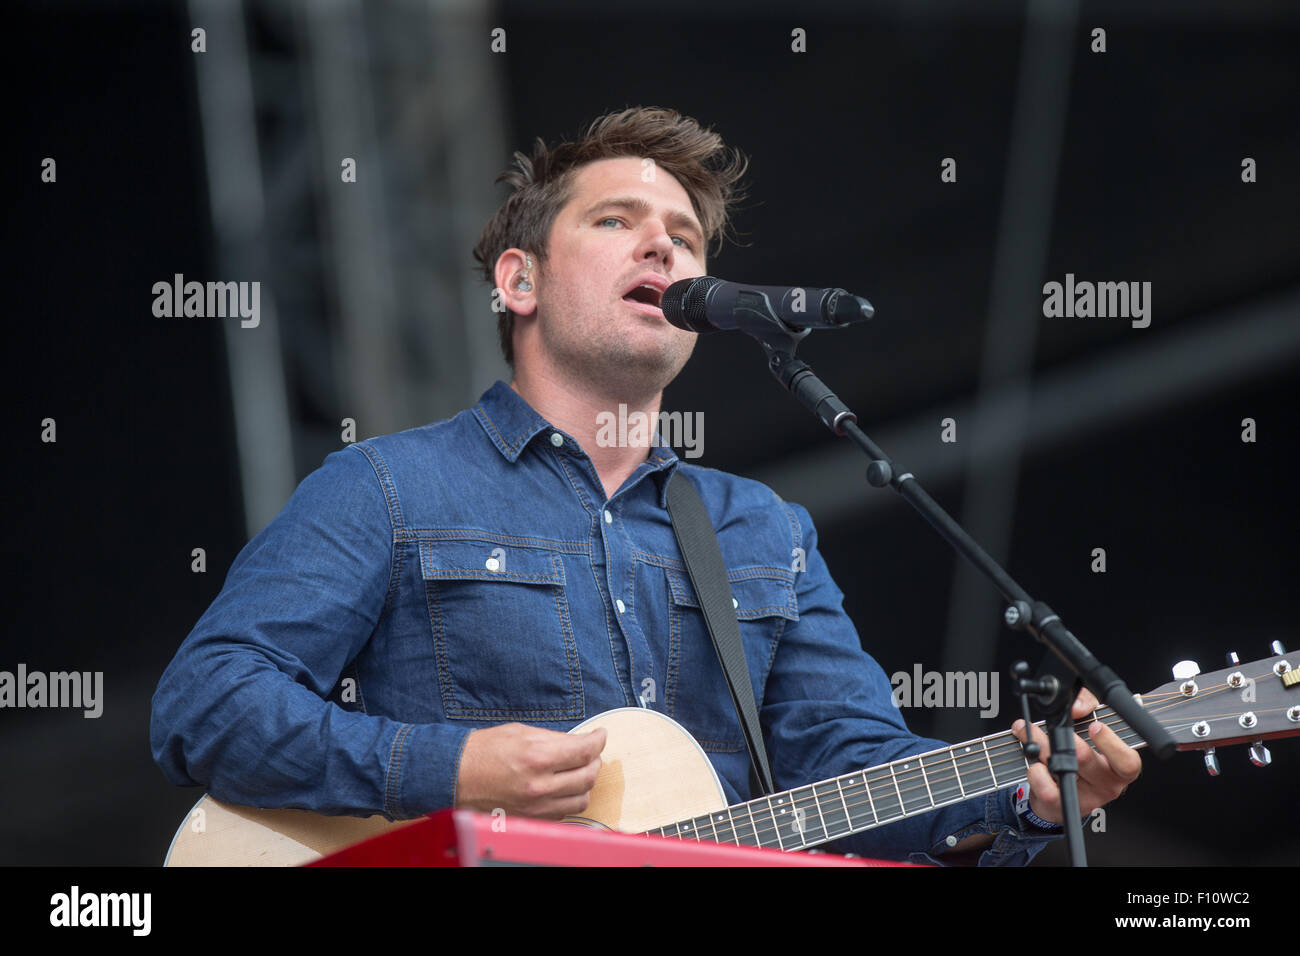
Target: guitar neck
x: 855, y: 802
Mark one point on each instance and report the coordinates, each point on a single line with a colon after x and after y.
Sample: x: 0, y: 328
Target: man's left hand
x: 1104, y: 773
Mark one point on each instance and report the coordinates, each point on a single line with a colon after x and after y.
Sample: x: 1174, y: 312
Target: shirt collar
x: 510, y: 423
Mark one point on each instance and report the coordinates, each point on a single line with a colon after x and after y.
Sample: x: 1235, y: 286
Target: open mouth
x: 645, y: 295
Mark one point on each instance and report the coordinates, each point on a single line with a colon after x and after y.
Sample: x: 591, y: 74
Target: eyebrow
x: 674, y: 218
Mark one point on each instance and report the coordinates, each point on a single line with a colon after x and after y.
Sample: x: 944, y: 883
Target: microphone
x: 706, y: 304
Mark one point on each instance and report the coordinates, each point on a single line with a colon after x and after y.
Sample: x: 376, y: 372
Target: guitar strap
x: 708, y: 574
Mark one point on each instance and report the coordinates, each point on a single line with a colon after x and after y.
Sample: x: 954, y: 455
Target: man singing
x: 433, y: 609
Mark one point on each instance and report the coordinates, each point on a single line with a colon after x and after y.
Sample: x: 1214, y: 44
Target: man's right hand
x: 528, y: 771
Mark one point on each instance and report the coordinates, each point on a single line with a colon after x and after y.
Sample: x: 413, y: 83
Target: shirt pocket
x: 695, y: 691
x: 502, y: 634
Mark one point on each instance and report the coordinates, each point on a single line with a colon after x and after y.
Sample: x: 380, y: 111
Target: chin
x: 640, y: 372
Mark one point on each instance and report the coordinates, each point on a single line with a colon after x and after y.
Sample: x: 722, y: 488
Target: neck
x: 579, y: 409
x: 842, y: 806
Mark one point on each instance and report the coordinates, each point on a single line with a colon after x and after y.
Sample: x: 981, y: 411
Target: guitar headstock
x: 1243, y: 703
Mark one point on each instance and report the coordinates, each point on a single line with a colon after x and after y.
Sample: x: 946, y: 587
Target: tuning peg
x: 1232, y: 658
x: 1278, y: 648
x: 1259, y: 754
x: 1186, y: 670
x: 1211, y: 763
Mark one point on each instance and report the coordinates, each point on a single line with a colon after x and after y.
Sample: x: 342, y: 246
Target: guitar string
x: 877, y: 783
x: 890, y: 791
x: 881, y: 786
x: 884, y: 781
x: 1003, y: 755
x: 887, y: 781
x: 943, y: 775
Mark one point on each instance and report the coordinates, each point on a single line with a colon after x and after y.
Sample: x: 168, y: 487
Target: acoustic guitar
x: 656, y: 779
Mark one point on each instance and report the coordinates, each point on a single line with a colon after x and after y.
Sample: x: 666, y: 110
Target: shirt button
x: 951, y: 841
x: 492, y: 564
x: 620, y: 605
x: 557, y: 439
x: 609, y: 518
x: 735, y: 603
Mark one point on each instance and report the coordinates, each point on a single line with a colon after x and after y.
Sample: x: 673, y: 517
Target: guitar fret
x: 848, y: 818
x: 800, y: 820
x: 753, y: 824
x: 734, y: 836
x: 829, y: 810
x: 820, y: 816
x: 917, y: 800
x: 925, y: 778
x: 974, y: 775
x: 992, y: 772
x: 945, y: 787
x: 875, y: 818
x: 957, y: 772
x: 703, y: 835
x: 776, y: 826
x: 855, y: 806
x: 1013, y: 774
x: 889, y: 805
x: 794, y: 820
x: 689, y: 829
x: 715, y: 833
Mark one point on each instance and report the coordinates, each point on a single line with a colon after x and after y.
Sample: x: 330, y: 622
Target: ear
x: 510, y: 272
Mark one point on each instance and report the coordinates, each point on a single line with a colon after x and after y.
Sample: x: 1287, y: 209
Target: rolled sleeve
x: 1015, y: 842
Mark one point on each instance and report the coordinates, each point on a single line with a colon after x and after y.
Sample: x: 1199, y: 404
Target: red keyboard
x: 466, y: 838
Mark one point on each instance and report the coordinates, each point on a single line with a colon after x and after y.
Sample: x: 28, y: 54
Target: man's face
x: 626, y: 223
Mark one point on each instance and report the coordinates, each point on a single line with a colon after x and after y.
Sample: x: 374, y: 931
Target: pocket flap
x: 758, y: 592
x: 488, y: 561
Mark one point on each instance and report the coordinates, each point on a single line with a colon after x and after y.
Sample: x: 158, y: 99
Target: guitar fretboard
x: 841, y: 806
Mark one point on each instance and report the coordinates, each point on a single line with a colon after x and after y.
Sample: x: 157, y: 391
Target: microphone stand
x: 779, y: 341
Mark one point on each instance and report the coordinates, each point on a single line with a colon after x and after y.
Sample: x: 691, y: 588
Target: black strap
x: 708, y: 573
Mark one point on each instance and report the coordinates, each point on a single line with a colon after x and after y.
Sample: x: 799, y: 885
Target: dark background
x: 1115, y: 166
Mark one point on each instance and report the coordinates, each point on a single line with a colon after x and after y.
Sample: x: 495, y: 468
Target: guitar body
x: 654, y: 773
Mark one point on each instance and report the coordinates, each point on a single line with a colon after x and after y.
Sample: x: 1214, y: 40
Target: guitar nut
x: 1281, y: 667
x: 1188, y: 688
x: 1247, y: 720
x: 1200, y: 729
x: 1293, y: 714
x: 1236, y: 679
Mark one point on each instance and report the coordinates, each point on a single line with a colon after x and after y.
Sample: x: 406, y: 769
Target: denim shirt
x: 472, y: 572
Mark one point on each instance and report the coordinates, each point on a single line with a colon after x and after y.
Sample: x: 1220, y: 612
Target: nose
x: 657, y: 242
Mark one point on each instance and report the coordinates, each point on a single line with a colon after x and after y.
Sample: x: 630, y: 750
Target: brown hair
x: 543, y: 183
